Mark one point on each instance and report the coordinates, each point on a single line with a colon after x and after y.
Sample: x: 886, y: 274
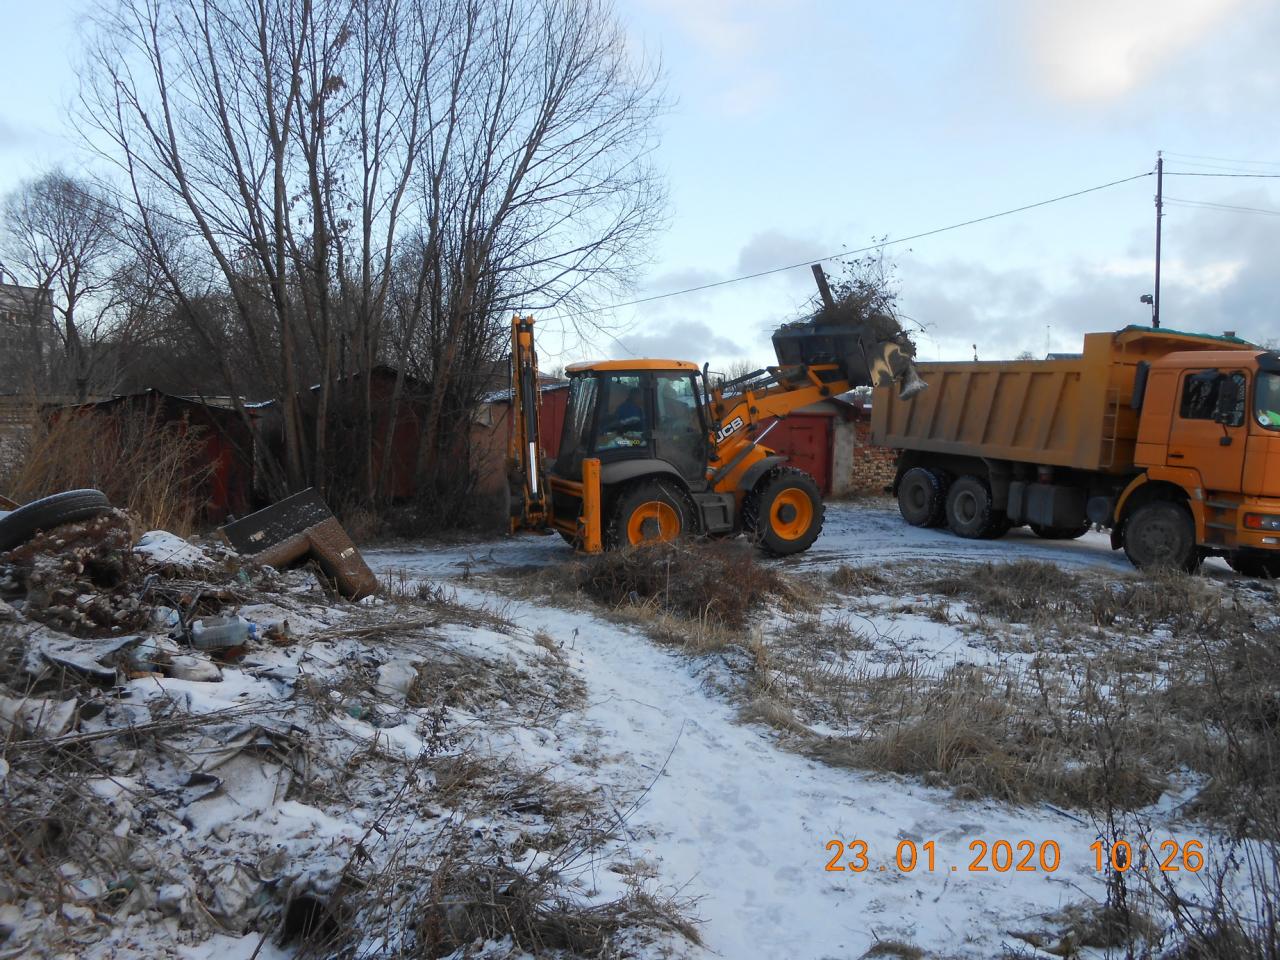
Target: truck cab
x: 1210, y: 425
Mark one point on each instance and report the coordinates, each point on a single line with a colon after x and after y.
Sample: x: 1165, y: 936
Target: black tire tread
x: 991, y: 525
x: 648, y: 488
x: 1190, y: 561
x: 751, y: 504
x: 936, y: 513
x: 49, y: 512
x: 1059, y: 533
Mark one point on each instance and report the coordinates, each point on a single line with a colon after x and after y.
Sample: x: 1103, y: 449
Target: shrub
x: 717, y: 582
x: 153, y: 469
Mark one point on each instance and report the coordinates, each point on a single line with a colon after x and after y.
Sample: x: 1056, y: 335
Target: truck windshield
x: 1266, y: 400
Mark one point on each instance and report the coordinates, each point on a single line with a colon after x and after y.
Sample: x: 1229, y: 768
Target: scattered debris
x: 205, y: 749
x: 221, y: 633
x: 36, y: 718
x: 167, y: 551
x: 298, y: 527
x: 20, y: 523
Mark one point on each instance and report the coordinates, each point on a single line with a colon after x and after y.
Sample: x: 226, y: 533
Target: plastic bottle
x: 219, y: 633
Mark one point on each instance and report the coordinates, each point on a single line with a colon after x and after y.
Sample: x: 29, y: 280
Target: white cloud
x: 678, y: 340
x: 1217, y: 275
x: 1097, y: 50
x: 731, y: 36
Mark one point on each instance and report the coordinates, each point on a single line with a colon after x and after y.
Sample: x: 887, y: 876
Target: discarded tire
x: 45, y: 514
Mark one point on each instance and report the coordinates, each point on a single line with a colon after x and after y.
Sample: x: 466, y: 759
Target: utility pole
x: 1155, y: 305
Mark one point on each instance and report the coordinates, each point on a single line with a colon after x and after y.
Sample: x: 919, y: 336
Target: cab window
x: 1208, y: 392
x: 623, y: 418
x: 578, y: 418
x: 1199, y: 395
x: 1266, y: 401
x: 679, y: 432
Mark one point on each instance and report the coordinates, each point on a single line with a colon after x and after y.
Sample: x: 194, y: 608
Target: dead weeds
x: 1047, y: 597
x: 703, y: 581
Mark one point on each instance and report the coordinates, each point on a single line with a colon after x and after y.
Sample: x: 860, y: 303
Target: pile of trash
x: 200, y: 749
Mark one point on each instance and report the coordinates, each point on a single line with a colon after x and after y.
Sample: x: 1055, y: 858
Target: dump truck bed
x: 1071, y: 412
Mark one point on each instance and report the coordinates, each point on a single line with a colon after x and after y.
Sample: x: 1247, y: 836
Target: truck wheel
x: 1059, y: 533
x: 970, y: 513
x: 1253, y: 565
x: 922, y: 497
x: 784, y: 512
x: 73, y: 505
x: 1161, y: 534
x: 649, y: 512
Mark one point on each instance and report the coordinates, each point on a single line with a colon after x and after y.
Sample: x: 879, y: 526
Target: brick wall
x: 873, y: 467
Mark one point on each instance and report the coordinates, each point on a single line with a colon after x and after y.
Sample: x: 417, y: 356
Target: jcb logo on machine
x: 733, y: 426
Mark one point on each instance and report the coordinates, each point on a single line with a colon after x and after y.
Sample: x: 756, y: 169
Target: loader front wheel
x: 649, y: 512
x: 784, y: 512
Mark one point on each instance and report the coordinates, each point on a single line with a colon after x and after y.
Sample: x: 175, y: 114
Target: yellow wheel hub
x: 791, y: 514
x: 652, y: 521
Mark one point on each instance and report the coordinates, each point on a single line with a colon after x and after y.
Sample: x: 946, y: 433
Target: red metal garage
x: 805, y: 438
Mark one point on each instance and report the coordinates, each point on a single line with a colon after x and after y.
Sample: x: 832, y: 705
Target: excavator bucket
x: 874, y: 351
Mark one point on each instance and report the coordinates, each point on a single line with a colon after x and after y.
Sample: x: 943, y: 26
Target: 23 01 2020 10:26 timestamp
x: 1020, y: 856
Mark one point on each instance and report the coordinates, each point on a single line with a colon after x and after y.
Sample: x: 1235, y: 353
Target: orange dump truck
x: 1170, y: 440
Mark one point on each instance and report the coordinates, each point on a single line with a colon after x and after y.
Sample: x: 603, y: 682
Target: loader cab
x: 634, y: 410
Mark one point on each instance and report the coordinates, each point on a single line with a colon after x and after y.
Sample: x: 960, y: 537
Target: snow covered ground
x: 730, y: 818
x: 856, y: 532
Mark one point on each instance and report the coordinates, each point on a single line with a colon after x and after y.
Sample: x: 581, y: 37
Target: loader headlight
x: 1261, y: 521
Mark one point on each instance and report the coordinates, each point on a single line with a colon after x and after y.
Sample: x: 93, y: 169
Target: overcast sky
x: 801, y: 128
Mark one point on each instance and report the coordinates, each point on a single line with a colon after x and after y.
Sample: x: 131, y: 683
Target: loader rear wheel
x: 784, y: 512
x: 970, y: 513
x: 1161, y: 534
x: 922, y: 497
x: 648, y: 512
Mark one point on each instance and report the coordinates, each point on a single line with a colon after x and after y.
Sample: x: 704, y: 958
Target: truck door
x: 1208, y: 432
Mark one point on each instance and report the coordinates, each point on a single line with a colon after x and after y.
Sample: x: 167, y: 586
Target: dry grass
x: 152, y: 469
x: 701, y: 581
x: 858, y: 580
x: 1045, y: 596
x: 984, y: 733
x: 894, y: 950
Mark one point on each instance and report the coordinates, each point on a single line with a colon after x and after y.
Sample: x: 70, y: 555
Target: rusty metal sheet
x: 297, y: 527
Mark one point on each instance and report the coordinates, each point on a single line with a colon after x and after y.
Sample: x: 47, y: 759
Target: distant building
x: 26, y: 319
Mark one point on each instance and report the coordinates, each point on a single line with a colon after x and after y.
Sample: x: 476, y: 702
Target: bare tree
x: 365, y: 181
x: 535, y: 188
x: 59, y: 239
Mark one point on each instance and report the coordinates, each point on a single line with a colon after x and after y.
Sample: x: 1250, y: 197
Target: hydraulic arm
x: 525, y: 469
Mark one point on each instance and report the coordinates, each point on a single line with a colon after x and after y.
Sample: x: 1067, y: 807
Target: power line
x: 1222, y: 206
x: 1200, y: 156
x: 875, y: 246
x: 1196, y: 165
x: 1188, y: 173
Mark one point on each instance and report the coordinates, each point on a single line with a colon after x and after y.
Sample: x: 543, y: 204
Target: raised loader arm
x: 526, y: 473
x: 532, y: 506
x: 817, y: 360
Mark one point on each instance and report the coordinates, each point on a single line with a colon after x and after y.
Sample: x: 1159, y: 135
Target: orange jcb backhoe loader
x: 651, y: 450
